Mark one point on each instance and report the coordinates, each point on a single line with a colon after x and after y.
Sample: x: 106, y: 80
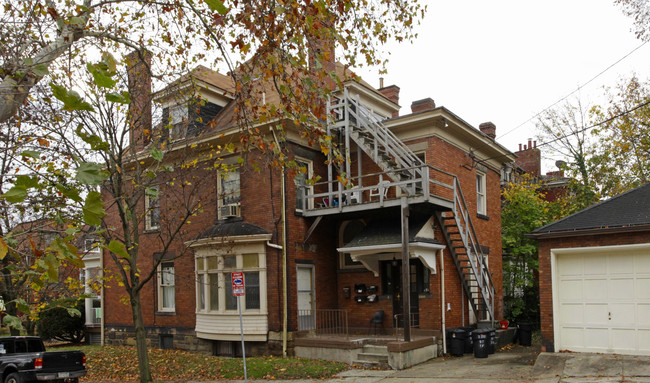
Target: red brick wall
x: 261, y: 206
x: 545, y: 277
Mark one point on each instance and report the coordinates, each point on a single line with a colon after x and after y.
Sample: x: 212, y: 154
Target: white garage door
x: 602, y: 299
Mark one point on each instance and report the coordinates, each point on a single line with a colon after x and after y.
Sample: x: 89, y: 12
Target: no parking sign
x: 238, y: 284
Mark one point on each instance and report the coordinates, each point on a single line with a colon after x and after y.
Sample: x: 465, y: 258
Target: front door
x: 392, y: 285
x: 306, y: 303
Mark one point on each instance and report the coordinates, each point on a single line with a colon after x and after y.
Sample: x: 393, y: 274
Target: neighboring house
x: 529, y: 162
x: 343, y: 245
x: 553, y: 185
x: 594, y: 277
x: 34, y: 237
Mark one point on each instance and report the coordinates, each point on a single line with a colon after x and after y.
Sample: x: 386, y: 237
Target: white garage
x: 601, y: 299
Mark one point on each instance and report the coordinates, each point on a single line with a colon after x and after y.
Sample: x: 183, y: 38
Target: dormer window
x: 178, y: 118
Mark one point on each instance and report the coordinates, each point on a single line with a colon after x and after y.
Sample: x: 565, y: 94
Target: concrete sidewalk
x: 510, y: 365
x: 519, y: 364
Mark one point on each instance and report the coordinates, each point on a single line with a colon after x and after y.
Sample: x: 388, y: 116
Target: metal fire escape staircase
x: 354, y: 122
x: 468, y: 257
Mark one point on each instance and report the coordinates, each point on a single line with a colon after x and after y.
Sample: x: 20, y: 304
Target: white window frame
x: 221, y: 196
x: 166, y: 283
x: 91, y: 246
x: 178, y: 118
x: 150, y: 210
x: 481, y: 193
x: 309, y: 164
x: 224, y: 281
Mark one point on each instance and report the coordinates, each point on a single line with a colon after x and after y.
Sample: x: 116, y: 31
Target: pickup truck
x: 24, y: 359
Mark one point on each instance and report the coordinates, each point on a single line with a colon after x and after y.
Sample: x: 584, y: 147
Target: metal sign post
x: 238, y: 290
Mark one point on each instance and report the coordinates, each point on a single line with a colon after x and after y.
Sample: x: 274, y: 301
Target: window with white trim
x: 178, y: 117
x: 214, y: 282
x: 166, y: 287
x: 91, y: 245
x: 304, y: 173
x: 229, y: 195
x: 480, y: 193
x: 152, y: 209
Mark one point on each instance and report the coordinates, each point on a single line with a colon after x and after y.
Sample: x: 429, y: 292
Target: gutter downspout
x: 285, y: 310
x: 101, y: 300
x: 442, y: 298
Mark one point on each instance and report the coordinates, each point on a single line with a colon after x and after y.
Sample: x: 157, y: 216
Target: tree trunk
x: 140, y: 337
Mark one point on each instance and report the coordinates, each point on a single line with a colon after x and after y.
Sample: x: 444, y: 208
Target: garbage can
x: 525, y: 333
x: 480, y: 338
x: 492, y: 340
x: 456, y: 338
x: 469, y: 344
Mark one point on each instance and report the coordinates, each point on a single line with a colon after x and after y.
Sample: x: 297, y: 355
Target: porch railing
x: 398, y: 324
x: 360, y: 189
x: 333, y: 322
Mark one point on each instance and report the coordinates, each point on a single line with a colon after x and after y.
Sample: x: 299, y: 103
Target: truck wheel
x: 13, y: 378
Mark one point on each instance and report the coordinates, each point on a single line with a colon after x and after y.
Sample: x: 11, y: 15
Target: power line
x: 596, y: 124
x: 577, y: 131
x: 573, y: 92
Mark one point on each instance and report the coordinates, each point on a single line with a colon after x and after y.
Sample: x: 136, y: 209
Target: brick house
x: 321, y: 257
x: 594, y: 277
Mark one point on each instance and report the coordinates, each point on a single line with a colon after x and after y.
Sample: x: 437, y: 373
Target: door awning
x: 381, y: 240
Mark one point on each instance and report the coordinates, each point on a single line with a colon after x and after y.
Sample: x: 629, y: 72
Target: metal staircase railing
x: 354, y: 121
x: 468, y: 256
x: 361, y: 125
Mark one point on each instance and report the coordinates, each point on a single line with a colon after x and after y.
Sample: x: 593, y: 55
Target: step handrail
x: 470, y: 241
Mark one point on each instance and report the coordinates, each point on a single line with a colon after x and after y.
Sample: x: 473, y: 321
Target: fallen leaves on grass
x: 118, y: 364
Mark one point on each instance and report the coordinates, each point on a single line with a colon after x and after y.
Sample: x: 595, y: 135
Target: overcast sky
x: 506, y: 60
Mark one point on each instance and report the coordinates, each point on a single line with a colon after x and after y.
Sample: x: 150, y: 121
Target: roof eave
x: 589, y: 231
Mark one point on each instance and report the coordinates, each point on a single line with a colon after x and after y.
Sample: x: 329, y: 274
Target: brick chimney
x: 391, y: 92
x: 139, y: 82
x: 529, y: 158
x: 422, y: 105
x: 489, y: 129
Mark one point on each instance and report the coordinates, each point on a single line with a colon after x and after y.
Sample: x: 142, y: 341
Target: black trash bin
x: 469, y: 344
x: 456, y: 338
x: 525, y: 333
x: 480, y: 337
x: 492, y: 340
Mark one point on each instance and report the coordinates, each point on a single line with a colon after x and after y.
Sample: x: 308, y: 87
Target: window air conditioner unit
x: 231, y: 210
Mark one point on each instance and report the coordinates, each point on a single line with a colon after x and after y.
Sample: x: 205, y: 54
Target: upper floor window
x: 229, y: 195
x: 178, y: 117
x: 166, y: 287
x: 91, y: 245
x: 480, y: 193
x: 305, y: 172
x: 152, y: 209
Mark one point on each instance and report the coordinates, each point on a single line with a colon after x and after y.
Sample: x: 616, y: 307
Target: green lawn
x: 113, y: 363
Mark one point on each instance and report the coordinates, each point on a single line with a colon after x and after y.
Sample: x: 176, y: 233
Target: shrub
x: 62, y: 320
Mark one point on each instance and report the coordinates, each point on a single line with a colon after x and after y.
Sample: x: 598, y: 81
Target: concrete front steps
x: 373, y: 356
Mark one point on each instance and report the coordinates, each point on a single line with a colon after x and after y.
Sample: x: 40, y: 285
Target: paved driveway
x: 514, y: 364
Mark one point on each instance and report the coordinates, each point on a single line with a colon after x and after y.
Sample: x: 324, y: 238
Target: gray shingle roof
x: 231, y: 229
x: 629, y: 209
x: 388, y: 231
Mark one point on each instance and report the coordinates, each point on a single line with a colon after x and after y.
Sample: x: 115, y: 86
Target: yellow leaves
x: 4, y: 249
